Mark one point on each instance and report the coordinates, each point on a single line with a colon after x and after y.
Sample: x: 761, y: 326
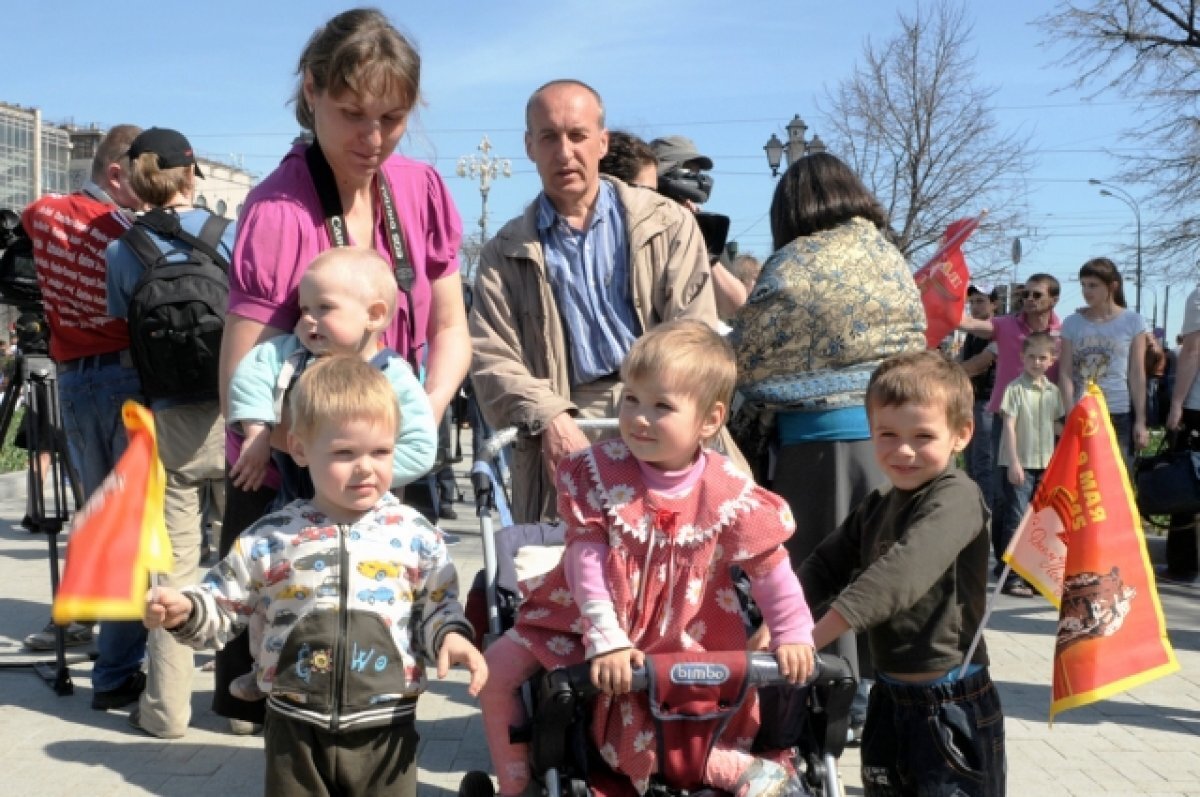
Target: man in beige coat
x: 564, y: 289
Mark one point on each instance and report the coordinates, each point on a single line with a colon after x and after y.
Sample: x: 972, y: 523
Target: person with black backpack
x: 168, y: 276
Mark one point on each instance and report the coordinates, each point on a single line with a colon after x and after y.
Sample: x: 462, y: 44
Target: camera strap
x: 335, y: 224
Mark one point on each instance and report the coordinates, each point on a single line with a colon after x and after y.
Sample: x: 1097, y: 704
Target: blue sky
x: 726, y: 74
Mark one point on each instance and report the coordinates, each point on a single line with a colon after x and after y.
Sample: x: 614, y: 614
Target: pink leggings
x: 510, y: 666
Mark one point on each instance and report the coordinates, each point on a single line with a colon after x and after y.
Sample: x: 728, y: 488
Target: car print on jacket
x: 372, y: 595
x: 318, y: 560
x: 292, y: 592
x: 379, y: 569
x: 315, y: 534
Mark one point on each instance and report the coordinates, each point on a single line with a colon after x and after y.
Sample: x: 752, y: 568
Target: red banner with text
x: 1081, y: 545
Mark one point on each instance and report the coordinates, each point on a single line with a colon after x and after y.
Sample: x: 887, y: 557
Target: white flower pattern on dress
x: 562, y: 596
x: 560, y: 645
x: 609, y: 754
x: 642, y: 742
x: 594, y: 501
x: 537, y: 614
x: 616, y: 450
x: 627, y: 713
x: 620, y: 495
x: 728, y: 601
x: 697, y: 630
x: 694, y: 589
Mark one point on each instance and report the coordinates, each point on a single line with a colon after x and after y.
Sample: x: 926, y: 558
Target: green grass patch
x: 11, y: 457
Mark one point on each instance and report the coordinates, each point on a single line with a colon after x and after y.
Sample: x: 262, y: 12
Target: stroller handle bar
x: 503, y: 437
x: 763, y: 671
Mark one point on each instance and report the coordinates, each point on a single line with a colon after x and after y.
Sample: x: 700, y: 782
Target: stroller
x: 691, y: 693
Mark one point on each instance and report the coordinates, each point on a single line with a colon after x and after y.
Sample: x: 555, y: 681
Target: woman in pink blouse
x: 359, y: 80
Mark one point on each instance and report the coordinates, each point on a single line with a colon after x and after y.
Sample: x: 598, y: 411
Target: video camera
x: 19, y: 285
x: 685, y: 184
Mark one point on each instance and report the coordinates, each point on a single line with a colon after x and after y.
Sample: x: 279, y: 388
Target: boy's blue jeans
x: 1014, y: 500
x: 941, y: 740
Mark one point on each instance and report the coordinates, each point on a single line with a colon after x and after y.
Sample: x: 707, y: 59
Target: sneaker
x: 123, y: 695
x: 446, y: 512
x: 243, y: 727
x: 1017, y: 587
x: 74, y: 635
x: 450, y: 539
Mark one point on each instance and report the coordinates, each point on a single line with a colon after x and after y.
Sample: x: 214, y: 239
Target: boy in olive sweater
x: 909, y: 568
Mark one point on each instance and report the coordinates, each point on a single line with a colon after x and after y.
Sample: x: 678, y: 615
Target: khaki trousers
x: 534, y: 498
x: 191, y: 445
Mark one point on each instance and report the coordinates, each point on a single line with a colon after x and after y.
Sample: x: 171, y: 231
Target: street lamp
x: 1121, y: 194
x: 795, y: 148
x: 486, y: 168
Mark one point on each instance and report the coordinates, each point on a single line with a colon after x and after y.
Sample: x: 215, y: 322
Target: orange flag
x: 943, y: 282
x: 1081, y: 545
x: 119, y: 537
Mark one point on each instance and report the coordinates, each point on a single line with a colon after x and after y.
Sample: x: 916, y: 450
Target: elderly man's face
x: 566, y: 141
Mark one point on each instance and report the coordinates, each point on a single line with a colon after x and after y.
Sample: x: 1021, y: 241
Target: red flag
x: 943, y: 282
x: 119, y: 536
x: 1081, y: 544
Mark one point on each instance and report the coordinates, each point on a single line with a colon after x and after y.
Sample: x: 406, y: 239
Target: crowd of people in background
x: 331, y: 410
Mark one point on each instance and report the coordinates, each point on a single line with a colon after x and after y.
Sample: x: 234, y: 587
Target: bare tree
x: 1147, y: 50
x: 468, y: 256
x: 915, y: 124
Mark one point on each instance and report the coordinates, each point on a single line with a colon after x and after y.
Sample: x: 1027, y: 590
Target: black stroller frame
x: 810, y: 719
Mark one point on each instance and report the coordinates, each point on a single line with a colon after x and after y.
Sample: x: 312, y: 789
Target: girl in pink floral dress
x: 655, y: 523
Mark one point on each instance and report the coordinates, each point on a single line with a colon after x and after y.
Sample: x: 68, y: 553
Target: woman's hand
x: 251, y: 468
x: 612, y: 672
x: 1141, y: 436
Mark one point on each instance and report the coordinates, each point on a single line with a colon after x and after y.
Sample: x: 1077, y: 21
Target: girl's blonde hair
x: 340, y: 388
x: 691, y: 356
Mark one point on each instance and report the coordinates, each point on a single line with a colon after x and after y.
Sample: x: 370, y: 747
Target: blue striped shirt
x: 589, y: 274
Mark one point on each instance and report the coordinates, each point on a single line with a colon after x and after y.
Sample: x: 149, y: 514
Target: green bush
x: 11, y: 457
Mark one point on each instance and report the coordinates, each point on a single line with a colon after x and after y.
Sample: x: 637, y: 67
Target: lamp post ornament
x: 795, y: 148
x: 486, y: 168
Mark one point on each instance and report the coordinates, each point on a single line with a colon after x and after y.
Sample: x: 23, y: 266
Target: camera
x: 19, y: 285
x: 685, y: 184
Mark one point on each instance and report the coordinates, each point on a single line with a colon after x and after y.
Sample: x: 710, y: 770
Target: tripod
x: 35, y: 378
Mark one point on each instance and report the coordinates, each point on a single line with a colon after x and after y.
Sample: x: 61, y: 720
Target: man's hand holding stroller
x: 612, y: 672
x: 457, y: 649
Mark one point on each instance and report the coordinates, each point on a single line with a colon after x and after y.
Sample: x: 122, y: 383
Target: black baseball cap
x: 172, y: 149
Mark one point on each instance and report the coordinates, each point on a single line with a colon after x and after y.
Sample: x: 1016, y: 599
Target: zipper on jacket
x: 339, y: 654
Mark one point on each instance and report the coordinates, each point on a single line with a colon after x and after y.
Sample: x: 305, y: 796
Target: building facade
x: 28, y: 171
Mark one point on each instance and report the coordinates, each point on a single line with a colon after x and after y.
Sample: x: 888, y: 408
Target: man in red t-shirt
x: 95, y: 373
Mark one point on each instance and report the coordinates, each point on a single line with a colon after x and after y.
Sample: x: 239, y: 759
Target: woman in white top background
x: 1105, y: 342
